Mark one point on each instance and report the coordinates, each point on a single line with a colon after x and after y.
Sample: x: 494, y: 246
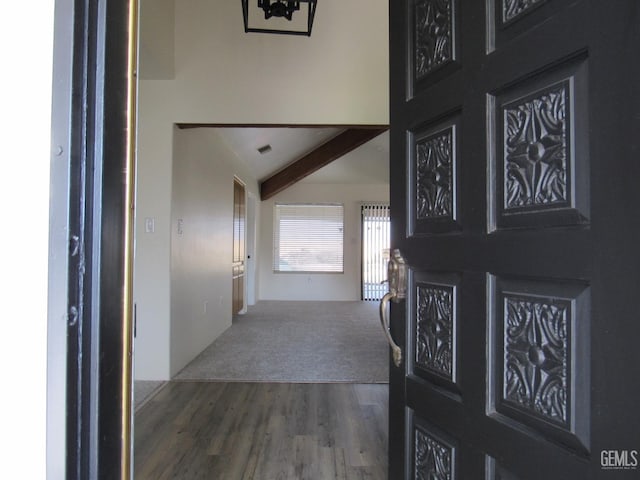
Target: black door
x: 515, y: 187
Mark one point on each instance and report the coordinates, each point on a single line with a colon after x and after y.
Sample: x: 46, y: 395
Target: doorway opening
x: 239, y: 247
x: 175, y: 244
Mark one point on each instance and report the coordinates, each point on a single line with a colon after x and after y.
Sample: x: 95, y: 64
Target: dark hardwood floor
x: 263, y: 431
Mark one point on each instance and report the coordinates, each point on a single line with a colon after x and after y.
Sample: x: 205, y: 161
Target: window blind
x: 376, y: 228
x: 308, y: 238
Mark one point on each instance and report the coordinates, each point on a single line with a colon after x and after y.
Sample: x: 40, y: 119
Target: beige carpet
x: 298, y: 342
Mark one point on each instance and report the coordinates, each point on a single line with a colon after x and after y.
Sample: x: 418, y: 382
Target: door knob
x: 397, y: 276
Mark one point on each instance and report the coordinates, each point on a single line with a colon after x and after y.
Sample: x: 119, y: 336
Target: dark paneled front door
x: 514, y: 196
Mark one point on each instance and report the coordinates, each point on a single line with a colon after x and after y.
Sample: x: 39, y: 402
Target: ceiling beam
x: 326, y: 153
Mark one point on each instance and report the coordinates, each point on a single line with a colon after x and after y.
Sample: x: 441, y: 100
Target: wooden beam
x: 326, y: 153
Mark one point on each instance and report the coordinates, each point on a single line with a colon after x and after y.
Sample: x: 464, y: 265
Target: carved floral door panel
x: 514, y: 134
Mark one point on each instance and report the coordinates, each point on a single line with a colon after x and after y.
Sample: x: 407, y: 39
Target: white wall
x: 317, y: 286
x: 151, y: 289
x: 25, y: 123
x: 201, y: 240
x: 222, y: 75
x: 338, y: 75
x: 156, y: 46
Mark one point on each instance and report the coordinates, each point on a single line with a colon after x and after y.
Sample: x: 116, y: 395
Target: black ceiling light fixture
x: 277, y: 16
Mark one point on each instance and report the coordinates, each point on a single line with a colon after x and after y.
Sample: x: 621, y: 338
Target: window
x: 308, y: 238
x: 376, y: 228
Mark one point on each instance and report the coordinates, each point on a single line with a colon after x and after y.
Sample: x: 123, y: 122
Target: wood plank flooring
x: 263, y: 431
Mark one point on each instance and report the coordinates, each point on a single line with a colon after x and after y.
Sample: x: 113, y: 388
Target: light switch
x: 149, y: 225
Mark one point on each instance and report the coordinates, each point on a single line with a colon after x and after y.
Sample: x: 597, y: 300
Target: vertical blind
x: 308, y: 238
x: 376, y: 229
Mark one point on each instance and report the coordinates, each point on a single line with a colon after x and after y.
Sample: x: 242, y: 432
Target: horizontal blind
x: 308, y: 238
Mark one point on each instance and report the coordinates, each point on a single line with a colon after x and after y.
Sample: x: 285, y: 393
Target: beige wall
x: 221, y: 75
x: 317, y: 286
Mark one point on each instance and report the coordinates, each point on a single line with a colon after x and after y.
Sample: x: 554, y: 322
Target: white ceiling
x: 367, y: 164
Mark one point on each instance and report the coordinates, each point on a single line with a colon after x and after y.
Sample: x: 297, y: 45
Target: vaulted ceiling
x: 281, y: 156
x: 197, y: 66
x: 366, y: 164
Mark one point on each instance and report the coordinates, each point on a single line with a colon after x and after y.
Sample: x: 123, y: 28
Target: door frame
x: 251, y: 221
x: 93, y: 101
x: 89, y: 355
x: 58, y: 242
x: 242, y: 217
